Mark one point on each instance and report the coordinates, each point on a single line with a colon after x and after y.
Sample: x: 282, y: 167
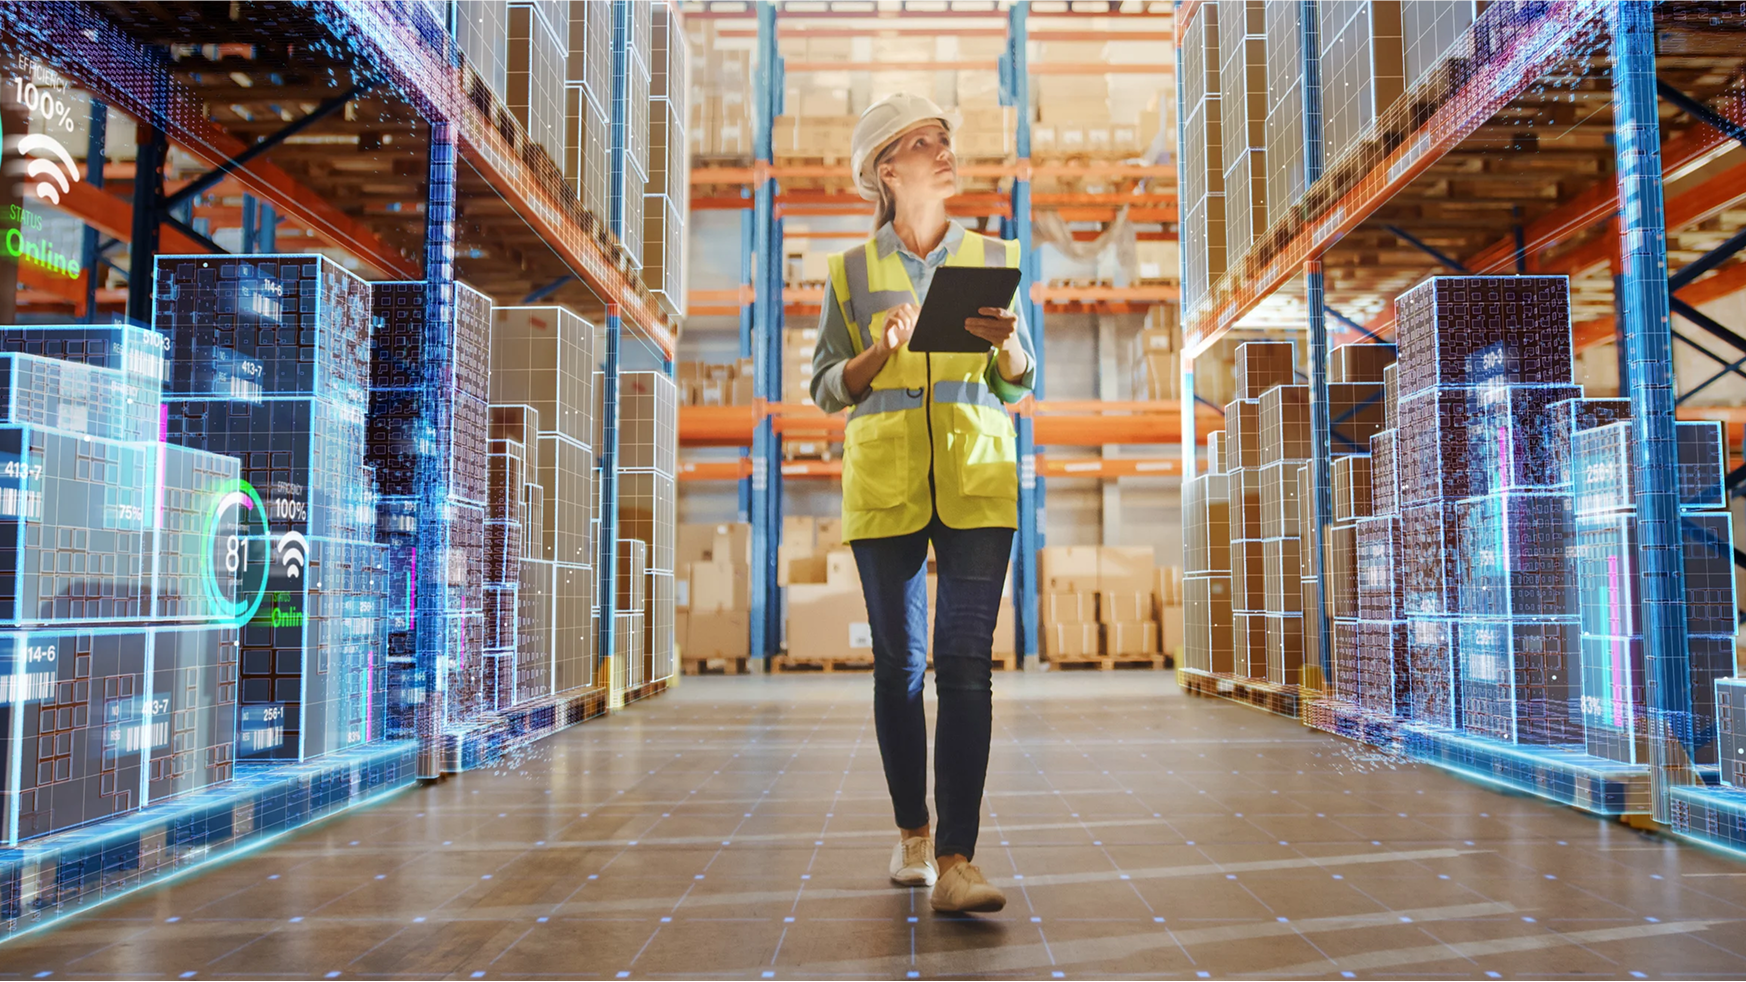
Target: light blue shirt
x: 835, y: 347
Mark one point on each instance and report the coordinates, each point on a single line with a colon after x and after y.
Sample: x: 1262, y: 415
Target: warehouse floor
x: 737, y: 828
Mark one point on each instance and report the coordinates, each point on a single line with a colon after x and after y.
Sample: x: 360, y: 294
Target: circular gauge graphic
x: 238, y: 552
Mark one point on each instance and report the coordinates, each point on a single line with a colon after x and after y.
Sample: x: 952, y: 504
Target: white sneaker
x: 963, y: 890
x: 912, y: 862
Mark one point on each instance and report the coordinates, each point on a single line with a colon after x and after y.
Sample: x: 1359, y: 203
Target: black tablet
x: 956, y: 294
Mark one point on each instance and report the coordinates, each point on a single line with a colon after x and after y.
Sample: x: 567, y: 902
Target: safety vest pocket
x: 988, y: 460
x: 876, y: 462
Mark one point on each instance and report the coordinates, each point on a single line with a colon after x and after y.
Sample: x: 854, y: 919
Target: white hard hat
x: 883, y: 122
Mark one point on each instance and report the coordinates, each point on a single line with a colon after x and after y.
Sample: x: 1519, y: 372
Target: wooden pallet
x: 788, y: 663
x: 714, y: 666
x: 1108, y: 662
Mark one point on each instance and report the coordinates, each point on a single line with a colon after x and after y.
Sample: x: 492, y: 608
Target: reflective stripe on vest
x: 867, y: 302
x: 888, y: 401
x: 973, y: 393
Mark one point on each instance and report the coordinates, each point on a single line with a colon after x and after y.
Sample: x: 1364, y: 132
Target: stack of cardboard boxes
x: 1481, y: 560
x: 1358, y: 388
x: 827, y: 618
x: 1109, y: 140
x: 667, y: 201
x: 827, y: 615
x: 1267, y: 427
x: 721, y: 73
x: 1203, y: 173
x: 1259, y: 489
x: 711, y: 384
x: 1157, y: 261
x: 648, y: 458
x: 1106, y: 603
x: 714, y: 568
x: 797, y: 350
x: 798, y: 344
x: 1095, y: 115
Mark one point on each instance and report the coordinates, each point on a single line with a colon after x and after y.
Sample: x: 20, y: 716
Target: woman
x: 928, y: 456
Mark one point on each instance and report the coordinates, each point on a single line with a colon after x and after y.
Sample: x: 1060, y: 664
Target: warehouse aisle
x: 737, y: 828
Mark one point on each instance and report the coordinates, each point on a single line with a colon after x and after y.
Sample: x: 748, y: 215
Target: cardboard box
x: 1123, y: 606
x: 733, y: 544
x: 1003, y: 629
x: 827, y: 621
x: 742, y: 391
x: 840, y: 568
x: 716, y: 586
x: 1136, y: 639
x: 799, y: 533
x: 694, y: 542
x: 828, y: 533
x: 1261, y: 365
x: 681, y: 625
x: 1125, y: 568
x: 1171, y: 627
x: 1069, y: 608
x: 718, y: 634
x: 793, y: 568
x: 1067, y: 569
x: 1064, y: 641
x: 1352, y: 363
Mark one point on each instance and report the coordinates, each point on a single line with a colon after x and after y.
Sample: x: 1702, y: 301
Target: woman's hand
x: 899, y: 326
x: 893, y: 334
x: 997, y: 326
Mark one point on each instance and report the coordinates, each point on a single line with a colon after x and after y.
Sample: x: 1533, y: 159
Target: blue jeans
x: 972, y: 570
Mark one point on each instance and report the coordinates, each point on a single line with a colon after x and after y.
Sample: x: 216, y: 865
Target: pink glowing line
x: 412, y: 593
x: 1503, y: 456
x: 369, y: 693
x: 1614, y: 616
x: 163, y: 454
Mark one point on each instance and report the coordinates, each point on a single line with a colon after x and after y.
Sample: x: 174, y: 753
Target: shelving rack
x: 360, y: 130
x: 999, y: 195
x: 1426, y: 190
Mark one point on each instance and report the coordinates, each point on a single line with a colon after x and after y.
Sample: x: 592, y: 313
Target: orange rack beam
x: 377, y: 35
x: 718, y: 426
x: 715, y: 470
x: 187, y: 125
x: 1598, y: 203
x: 1109, y: 467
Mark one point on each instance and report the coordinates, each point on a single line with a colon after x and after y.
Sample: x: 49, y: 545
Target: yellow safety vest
x: 926, y: 413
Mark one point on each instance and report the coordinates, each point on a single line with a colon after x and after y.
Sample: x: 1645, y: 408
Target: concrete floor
x: 738, y: 828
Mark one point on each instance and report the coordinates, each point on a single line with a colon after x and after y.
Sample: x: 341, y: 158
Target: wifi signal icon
x: 294, y: 553
x: 64, y: 172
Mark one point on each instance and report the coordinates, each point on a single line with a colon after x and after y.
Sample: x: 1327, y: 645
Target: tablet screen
x: 956, y: 294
